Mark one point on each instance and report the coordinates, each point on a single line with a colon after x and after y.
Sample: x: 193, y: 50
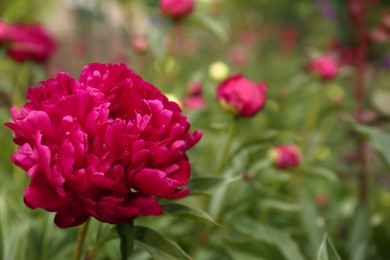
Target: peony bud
x: 241, y: 96
x: 286, y: 156
x: 176, y: 9
x: 324, y: 66
x: 26, y: 42
x: 195, y: 99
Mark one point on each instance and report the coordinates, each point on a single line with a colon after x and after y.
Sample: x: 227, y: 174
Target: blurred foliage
x: 252, y: 210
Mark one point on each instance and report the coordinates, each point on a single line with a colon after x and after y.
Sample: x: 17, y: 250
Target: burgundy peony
x: 286, y: 156
x: 241, y: 96
x: 26, y: 42
x: 324, y: 66
x: 176, y: 9
x: 104, y: 146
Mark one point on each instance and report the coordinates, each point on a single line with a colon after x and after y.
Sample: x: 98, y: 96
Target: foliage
x: 241, y: 205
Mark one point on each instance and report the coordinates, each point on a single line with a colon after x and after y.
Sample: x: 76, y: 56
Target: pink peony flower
x: 104, y: 146
x: 195, y: 99
x: 324, y: 66
x: 176, y: 9
x: 241, y: 96
x: 26, y: 42
x: 286, y: 156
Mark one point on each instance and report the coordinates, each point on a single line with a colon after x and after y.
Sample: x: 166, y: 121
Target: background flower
x: 241, y: 96
x: 26, y: 42
x: 176, y: 9
x: 286, y: 156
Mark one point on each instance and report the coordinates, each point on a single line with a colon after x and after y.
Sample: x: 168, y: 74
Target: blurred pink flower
x: 241, y: 96
x: 104, y: 146
x: 238, y: 55
x: 195, y: 99
x: 139, y: 44
x: 325, y: 66
x: 286, y: 156
x: 321, y: 200
x: 176, y: 9
x: 26, y: 42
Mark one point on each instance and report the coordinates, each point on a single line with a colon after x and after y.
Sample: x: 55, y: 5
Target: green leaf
x: 280, y: 205
x: 182, y: 210
x: 379, y: 140
x: 157, y: 246
x: 359, y: 234
x: 327, y: 251
x: 381, y: 101
x: 321, y: 173
x: 126, y: 235
x: 211, y: 25
x: 208, y: 185
x: 309, y: 215
x: 257, y: 231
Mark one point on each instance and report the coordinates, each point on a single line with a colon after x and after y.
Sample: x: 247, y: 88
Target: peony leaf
x: 178, y: 209
x: 208, y: 185
x: 157, y: 246
x: 379, y: 140
x: 320, y: 172
x: 211, y: 25
x: 327, y: 251
x: 248, y: 231
x: 381, y: 101
x: 126, y: 235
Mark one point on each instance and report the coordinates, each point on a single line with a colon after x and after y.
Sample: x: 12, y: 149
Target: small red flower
x: 195, y: 99
x: 241, y: 96
x: 104, y: 146
x: 176, y: 9
x: 26, y: 42
x: 286, y: 156
x: 324, y: 66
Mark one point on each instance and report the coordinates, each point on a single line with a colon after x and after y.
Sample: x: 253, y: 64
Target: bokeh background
x: 341, y: 187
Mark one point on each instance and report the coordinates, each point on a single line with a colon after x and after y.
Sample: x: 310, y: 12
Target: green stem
x: 80, y: 240
x: 205, y: 234
x: 314, y: 109
x: 126, y: 234
x: 226, y: 148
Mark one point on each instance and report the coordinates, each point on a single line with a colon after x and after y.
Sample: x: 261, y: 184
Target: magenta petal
x: 40, y: 193
x: 70, y: 218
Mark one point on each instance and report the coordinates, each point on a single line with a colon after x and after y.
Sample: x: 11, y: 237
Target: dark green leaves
x: 327, y: 251
x: 126, y: 235
x: 379, y: 140
x: 190, y: 212
x: 157, y: 246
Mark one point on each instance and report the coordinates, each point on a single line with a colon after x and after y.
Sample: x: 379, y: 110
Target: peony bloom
x: 241, y: 96
x: 26, y: 42
x: 104, y: 146
x: 286, y: 156
x: 176, y: 9
x: 195, y: 99
x: 324, y: 66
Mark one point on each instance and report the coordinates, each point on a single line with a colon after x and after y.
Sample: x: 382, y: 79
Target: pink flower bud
x: 241, y: 96
x: 324, y: 66
x: 176, y: 9
x: 321, y: 200
x: 286, y: 156
x: 26, y: 42
x: 195, y: 99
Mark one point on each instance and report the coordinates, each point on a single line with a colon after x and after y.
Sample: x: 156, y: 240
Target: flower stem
x: 205, y: 234
x: 226, y: 148
x: 80, y: 240
x: 361, y: 56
